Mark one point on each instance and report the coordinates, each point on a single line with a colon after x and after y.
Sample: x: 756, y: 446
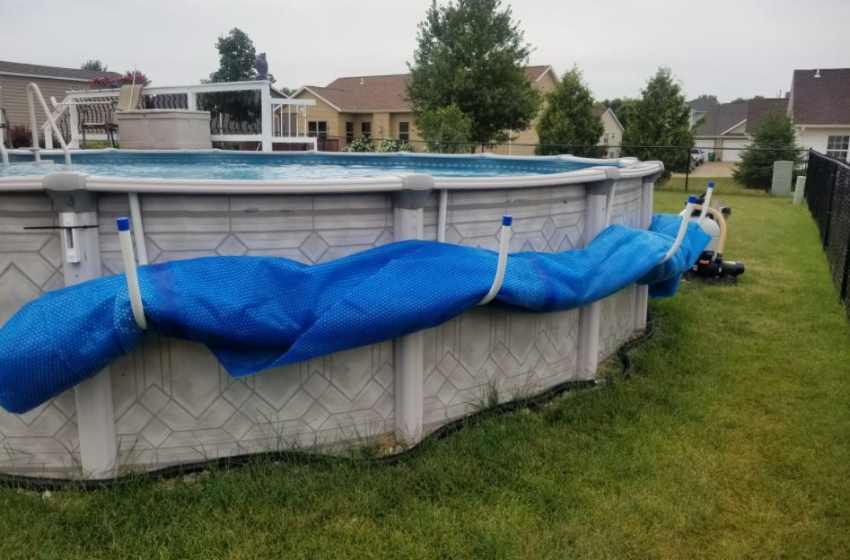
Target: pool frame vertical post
x: 77, y: 210
x: 409, y: 350
x: 642, y: 292
x: 595, y: 211
x: 266, y: 125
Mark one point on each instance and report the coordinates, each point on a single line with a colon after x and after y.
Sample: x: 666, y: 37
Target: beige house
x: 377, y: 107
x: 612, y: 131
x: 52, y: 81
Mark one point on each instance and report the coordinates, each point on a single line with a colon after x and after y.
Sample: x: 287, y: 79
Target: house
x: 820, y: 109
x: 612, y: 130
x: 52, y: 81
x: 700, y: 106
x: 377, y: 107
x: 722, y: 130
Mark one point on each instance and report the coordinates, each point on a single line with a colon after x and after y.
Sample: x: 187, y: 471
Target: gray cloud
x: 727, y: 47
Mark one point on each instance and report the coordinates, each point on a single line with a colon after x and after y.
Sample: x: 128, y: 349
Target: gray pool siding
x: 174, y: 403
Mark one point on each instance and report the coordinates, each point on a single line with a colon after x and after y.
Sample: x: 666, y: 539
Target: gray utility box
x: 164, y: 129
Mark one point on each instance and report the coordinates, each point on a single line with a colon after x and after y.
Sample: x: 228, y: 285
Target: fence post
x: 799, y: 189
x: 589, y: 316
x: 77, y: 210
x: 409, y: 350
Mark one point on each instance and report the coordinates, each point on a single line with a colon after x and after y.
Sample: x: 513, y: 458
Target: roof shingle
x: 7, y: 67
x: 821, y: 96
x: 371, y: 94
x: 759, y: 108
x: 720, y: 118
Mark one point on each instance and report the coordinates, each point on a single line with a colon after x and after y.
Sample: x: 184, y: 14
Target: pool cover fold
x: 256, y: 313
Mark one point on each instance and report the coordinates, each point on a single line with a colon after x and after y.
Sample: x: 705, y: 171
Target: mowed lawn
x: 730, y: 440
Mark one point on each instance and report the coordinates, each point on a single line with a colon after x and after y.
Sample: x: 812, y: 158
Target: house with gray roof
x: 52, y: 81
x: 820, y: 108
x: 722, y: 130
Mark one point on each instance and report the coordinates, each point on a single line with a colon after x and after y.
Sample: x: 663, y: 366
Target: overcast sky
x: 730, y: 48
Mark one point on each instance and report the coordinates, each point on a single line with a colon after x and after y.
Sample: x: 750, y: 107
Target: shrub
x: 390, y: 145
x: 446, y: 129
x: 361, y: 144
x: 774, y: 141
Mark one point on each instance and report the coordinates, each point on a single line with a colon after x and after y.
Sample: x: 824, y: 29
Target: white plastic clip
x: 683, y: 228
x: 707, y: 202
x: 502, y: 264
x: 131, y: 272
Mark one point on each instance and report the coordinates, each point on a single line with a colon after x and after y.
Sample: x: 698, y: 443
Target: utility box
x: 783, y: 172
x: 164, y: 129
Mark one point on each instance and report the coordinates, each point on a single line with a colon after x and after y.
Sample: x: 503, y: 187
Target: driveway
x: 711, y: 169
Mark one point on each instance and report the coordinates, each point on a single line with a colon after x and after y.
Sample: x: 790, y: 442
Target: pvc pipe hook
x: 131, y: 272
x: 502, y: 263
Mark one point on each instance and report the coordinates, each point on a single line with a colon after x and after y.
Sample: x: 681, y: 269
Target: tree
x: 659, y: 127
x: 471, y: 54
x: 623, y: 107
x: 237, y: 61
x: 94, y: 65
x: 568, y: 123
x: 446, y: 129
x: 774, y: 140
x: 237, y: 58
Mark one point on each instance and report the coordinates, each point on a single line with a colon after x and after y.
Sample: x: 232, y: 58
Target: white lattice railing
x: 281, y: 120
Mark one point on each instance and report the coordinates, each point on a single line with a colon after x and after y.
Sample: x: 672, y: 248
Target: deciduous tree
x: 472, y: 54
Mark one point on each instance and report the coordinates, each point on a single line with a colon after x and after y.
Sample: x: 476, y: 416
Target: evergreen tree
x: 774, y: 141
x: 471, y: 53
x: 94, y: 65
x: 659, y: 126
x: 568, y: 123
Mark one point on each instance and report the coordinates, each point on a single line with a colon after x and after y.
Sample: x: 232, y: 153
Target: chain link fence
x: 828, y: 198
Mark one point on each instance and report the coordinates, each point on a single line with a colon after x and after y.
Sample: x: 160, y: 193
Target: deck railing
x: 239, y: 112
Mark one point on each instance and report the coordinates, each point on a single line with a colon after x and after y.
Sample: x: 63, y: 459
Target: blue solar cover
x: 256, y: 313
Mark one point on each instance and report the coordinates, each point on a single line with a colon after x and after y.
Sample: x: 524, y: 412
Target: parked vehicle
x: 698, y: 156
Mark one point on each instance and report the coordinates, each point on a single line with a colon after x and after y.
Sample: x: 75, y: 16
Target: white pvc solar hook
x: 131, y: 272
x: 502, y: 264
x: 683, y: 228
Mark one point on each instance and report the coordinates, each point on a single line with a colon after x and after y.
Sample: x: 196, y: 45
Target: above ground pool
x: 229, y: 165
x: 167, y: 400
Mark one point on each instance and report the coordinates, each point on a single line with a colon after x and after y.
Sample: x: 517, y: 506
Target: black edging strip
x: 306, y: 458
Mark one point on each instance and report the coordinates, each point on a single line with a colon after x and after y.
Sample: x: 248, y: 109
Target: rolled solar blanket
x: 256, y: 313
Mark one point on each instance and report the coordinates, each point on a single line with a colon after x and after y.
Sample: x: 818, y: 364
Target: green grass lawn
x: 732, y: 440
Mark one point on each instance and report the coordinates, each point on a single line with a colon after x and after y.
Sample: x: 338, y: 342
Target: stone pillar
x: 589, y: 315
x: 642, y: 292
x: 77, y: 210
x: 408, y: 223
x: 782, y: 173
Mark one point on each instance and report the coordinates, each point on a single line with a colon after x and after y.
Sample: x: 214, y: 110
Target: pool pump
x: 713, y: 221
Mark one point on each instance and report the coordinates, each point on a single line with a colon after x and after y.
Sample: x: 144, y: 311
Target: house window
x: 349, y: 132
x: 317, y: 129
x: 366, y: 129
x: 838, y: 146
x: 404, y: 131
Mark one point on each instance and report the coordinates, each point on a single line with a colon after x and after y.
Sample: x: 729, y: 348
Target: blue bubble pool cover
x: 256, y: 313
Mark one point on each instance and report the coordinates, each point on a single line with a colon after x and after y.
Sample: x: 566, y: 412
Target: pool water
x: 223, y: 165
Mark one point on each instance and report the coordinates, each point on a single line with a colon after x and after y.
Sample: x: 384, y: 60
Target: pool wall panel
x: 174, y: 403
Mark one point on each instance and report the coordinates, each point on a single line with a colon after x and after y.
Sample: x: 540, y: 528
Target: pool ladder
x: 33, y: 94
